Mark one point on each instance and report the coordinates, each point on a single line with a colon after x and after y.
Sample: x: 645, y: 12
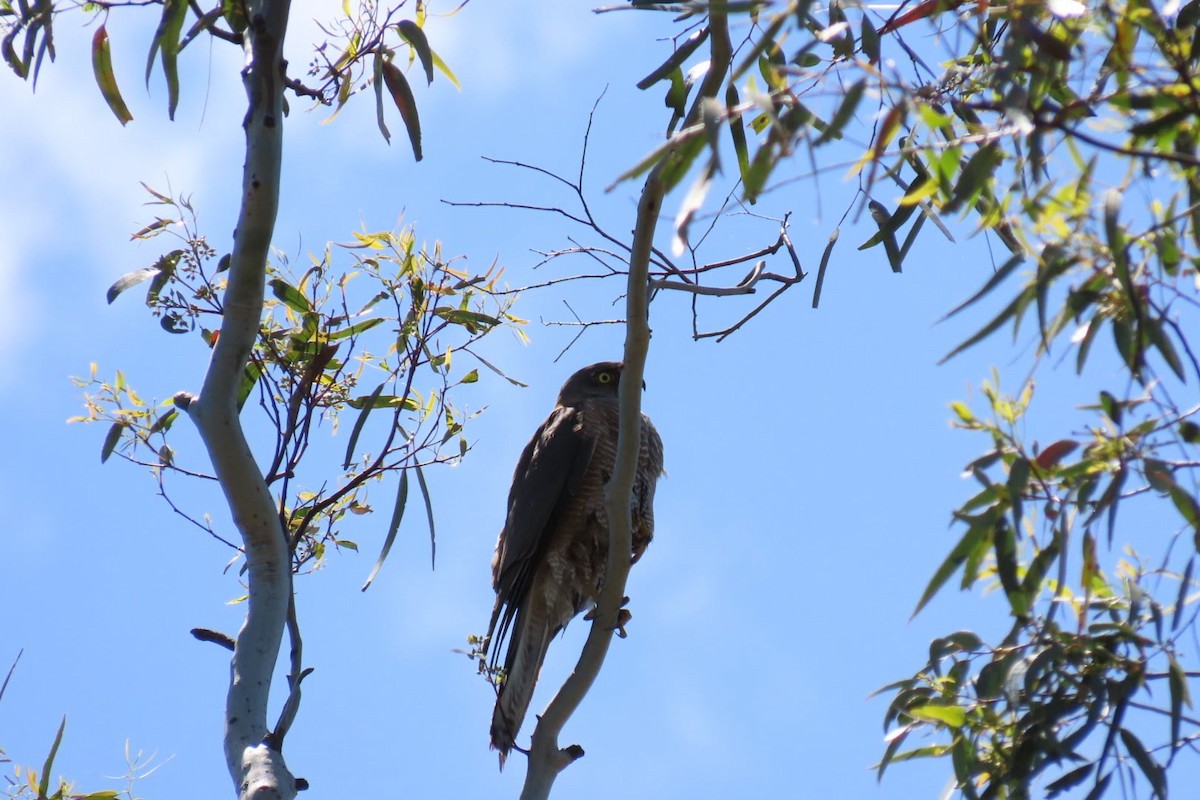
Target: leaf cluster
x: 375, y: 328
x: 1066, y: 697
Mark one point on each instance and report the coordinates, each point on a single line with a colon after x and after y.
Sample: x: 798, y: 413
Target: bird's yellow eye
x: 604, y: 377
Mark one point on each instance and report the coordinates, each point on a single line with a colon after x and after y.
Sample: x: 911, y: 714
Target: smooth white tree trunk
x: 256, y: 767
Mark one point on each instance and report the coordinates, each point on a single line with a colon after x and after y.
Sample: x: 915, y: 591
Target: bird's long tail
x: 523, y: 662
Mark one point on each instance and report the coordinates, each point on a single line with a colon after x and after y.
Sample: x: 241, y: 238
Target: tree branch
x: 258, y: 771
x: 546, y: 759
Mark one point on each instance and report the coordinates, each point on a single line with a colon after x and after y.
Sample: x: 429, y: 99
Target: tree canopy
x: 1022, y: 167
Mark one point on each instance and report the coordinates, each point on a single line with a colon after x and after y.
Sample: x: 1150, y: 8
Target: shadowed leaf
x: 366, y: 407
x: 130, y: 279
x: 393, y: 527
x: 402, y: 96
x: 429, y: 516
x: 416, y: 37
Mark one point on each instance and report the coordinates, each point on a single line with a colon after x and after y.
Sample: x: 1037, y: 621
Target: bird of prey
x: 552, y: 553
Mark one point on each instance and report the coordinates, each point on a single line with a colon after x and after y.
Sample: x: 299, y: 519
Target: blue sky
x: 811, y: 465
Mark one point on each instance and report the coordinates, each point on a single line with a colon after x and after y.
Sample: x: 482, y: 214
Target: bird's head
x: 597, y: 380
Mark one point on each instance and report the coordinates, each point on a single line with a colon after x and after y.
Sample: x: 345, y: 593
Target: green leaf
x: 1159, y: 339
x: 48, y: 767
x: 365, y: 408
x: 977, y: 173
x: 110, y: 440
x: 894, y: 221
x: 882, y: 218
x: 844, y: 113
x: 234, y: 12
x: 1036, y: 574
x: 290, y: 296
x: 1009, y: 311
x: 377, y: 66
x: 402, y: 96
x: 976, y: 534
x: 1116, y: 242
x: 250, y: 376
x: 833, y: 237
x: 445, y: 70
x: 870, y: 40
x: 1146, y: 763
x: 1070, y: 779
x: 164, y: 422
x: 105, y: 79
x: 356, y: 328
x: 473, y: 321
x: 166, y: 42
x: 202, y: 24
x: 393, y: 527
x: 737, y: 130
x: 953, y: 716
x: 428, y: 515
x: 1004, y: 544
x: 1187, y: 506
x: 166, y: 270
x: 416, y: 37
x: 375, y: 400
x: 1179, y: 697
x: 130, y: 279
x: 997, y: 278
x: 676, y: 59
x: 679, y: 161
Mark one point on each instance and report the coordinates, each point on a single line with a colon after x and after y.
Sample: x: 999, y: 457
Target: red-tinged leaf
x: 103, y: 70
x: 402, y: 96
x: 416, y: 37
x: 921, y: 11
x: 1055, y: 453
